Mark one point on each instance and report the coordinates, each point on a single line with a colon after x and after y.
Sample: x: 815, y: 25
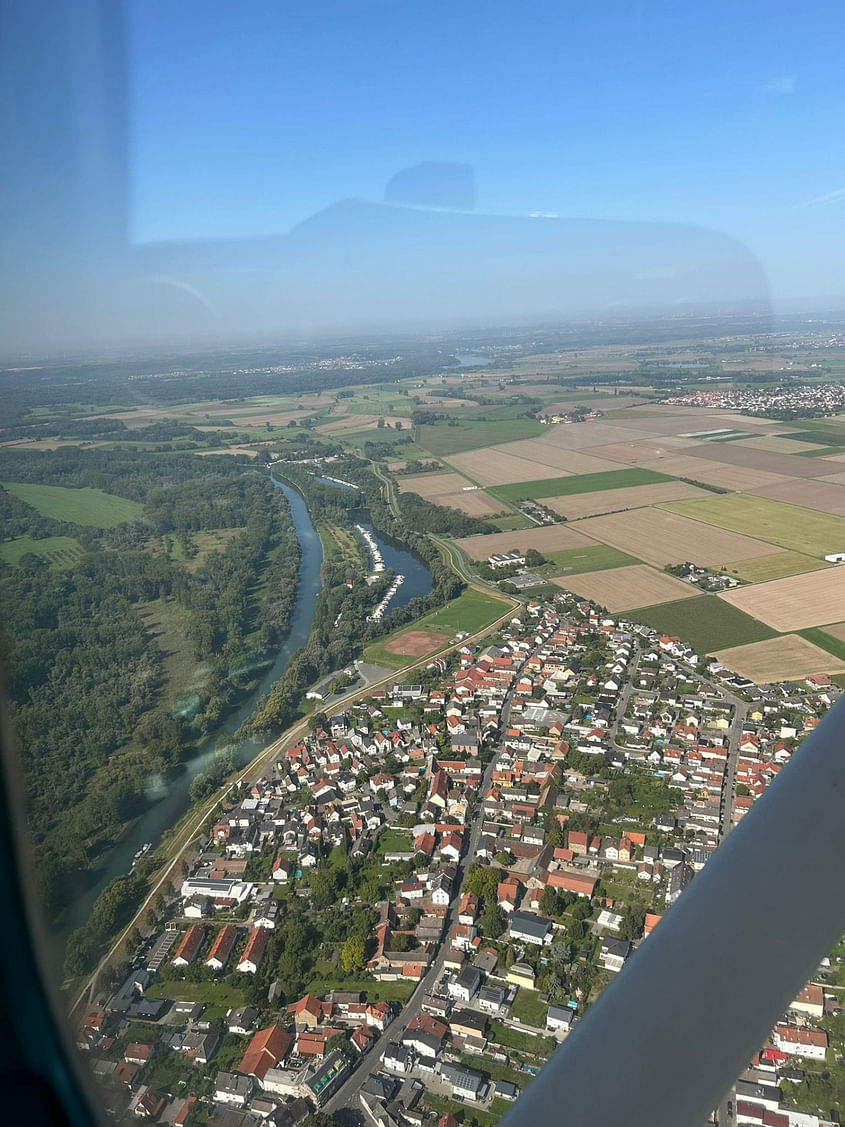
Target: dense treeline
x: 124, y: 471
x: 427, y: 517
x: 86, y: 674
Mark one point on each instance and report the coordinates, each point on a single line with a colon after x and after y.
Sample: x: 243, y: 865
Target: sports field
x: 790, y: 526
x: 57, y: 551
x: 471, y: 611
x: 551, y: 537
x: 86, y: 506
x: 790, y: 604
x: 661, y: 537
x: 622, y: 588
x: 705, y: 622
x: 416, y: 643
x: 778, y: 659
x: 577, y: 483
x: 615, y: 500
x: 777, y: 566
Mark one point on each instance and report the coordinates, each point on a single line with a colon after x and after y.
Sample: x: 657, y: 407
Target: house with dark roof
x: 530, y: 929
x: 465, y: 1082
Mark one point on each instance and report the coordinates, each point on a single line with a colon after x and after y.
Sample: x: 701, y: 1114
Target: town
x: 399, y: 922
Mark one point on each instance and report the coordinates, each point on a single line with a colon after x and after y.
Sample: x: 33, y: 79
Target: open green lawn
x: 791, y: 526
x: 763, y: 568
x: 469, y: 612
x: 57, y: 551
x: 706, y: 622
x: 598, y: 557
x: 167, y: 622
x: 528, y: 1008
x: 393, y: 840
x: 577, y: 483
x: 369, y: 987
x: 525, y: 1042
x: 80, y: 506
x: 472, y: 434
x: 219, y: 996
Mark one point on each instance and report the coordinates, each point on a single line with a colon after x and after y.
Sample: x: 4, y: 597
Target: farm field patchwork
x: 713, y: 473
x: 777, y: 566
x: 578, y: 483
x: 824, y: 496
x: 556, y: 458
x: 622, y: 588
x: 775, y: 444
x: 799, y: 601
x: 614, y: 500
x: 495, y: 467
x: 779, y: 659
x: 85, y: 506
x: 705, y: 622
x: 660, y: 537
x: 551, y: 537
x: 789, y: 526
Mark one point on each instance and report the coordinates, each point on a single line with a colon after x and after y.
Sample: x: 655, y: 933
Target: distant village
x: 474, y: 857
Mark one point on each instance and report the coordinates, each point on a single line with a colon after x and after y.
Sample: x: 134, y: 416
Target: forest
x: 88, y: 680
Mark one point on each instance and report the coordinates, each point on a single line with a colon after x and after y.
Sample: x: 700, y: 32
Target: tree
x: 548, y: 901
x: 492, y: 921
x: 504, y: 858
x: 399, y: 942
x: 353, y: 955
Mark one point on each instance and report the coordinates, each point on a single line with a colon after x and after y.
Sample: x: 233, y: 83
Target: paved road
x: 347, y: 1094
x: 254, y: 770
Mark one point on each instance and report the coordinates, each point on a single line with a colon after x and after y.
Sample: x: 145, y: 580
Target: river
x: 170, y: 800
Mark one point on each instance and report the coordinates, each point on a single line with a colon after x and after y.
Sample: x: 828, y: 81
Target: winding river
x: 170, y: 800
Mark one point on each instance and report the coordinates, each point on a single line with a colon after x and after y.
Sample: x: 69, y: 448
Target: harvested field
x: 551, y: 538
x: 416, y: 643
x: 660, y: 537
x: 837, y: 630
x: 774, y: 444
x: 494, y: 467
x: 799, y: 529
x: 714, y: 473
x: 813, y: 599
x: 778, y: 566
x: 787, y: 464
x: 825, y: 496
x: 582, y: 436
x: 635, y: 453
x: 779, y: 659
x: 615, y: 500
x: 474, y: 504
x: 623, y: 588
x: 431, y: 485
x: 248, y: 450
x: 556, y: 458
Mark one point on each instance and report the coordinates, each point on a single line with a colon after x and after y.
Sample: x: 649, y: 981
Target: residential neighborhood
x: 405, y: 916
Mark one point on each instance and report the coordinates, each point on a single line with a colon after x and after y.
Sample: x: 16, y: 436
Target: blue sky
x: 249, y: 117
